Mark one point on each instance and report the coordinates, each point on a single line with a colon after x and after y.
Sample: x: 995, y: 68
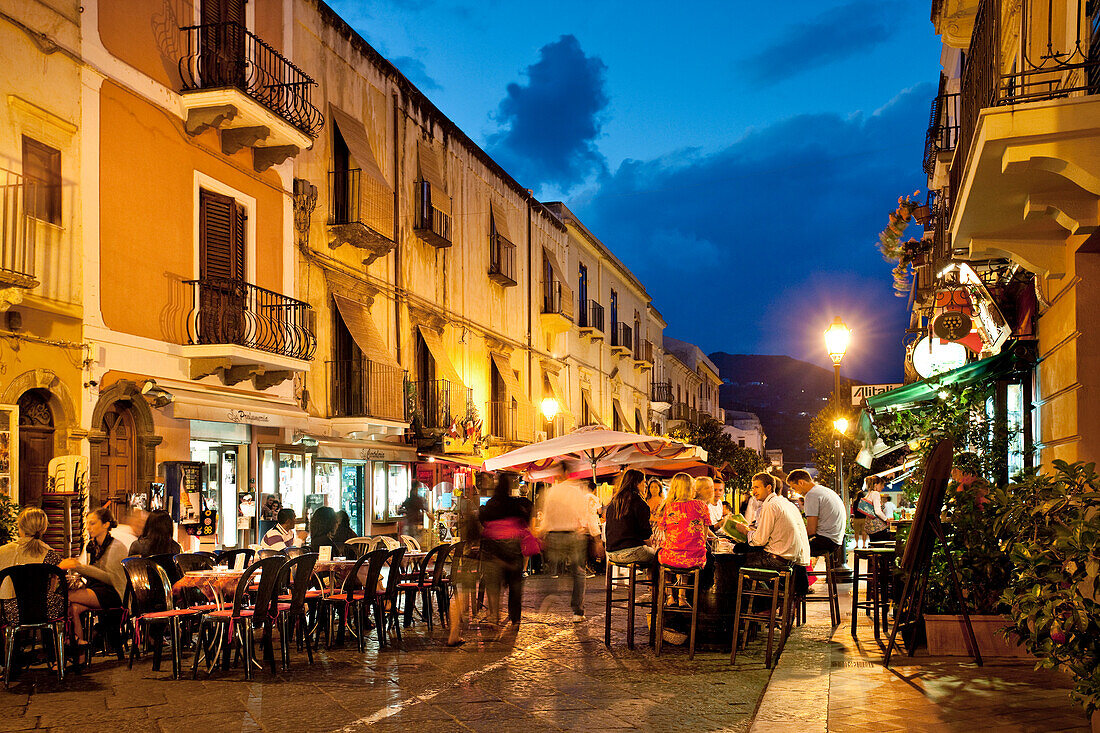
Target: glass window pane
x: 378, y: 489
x: 399, y: 486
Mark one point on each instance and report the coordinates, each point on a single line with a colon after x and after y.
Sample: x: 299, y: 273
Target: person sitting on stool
x: 779, y: 531
x: 824, y: 513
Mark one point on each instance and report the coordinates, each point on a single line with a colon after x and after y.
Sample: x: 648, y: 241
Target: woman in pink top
x: 684, y: 520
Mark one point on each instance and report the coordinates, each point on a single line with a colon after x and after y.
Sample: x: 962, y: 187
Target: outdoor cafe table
x: 216, y: 584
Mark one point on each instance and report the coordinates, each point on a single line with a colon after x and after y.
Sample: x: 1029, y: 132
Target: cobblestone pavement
x: 828, y: 681
x: 552, y: 675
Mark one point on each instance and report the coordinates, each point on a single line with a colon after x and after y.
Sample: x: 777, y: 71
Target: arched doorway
x: 117, y: 452
x: 36, y: 442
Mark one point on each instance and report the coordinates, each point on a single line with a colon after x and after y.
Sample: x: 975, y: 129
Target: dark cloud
x: 417, y: 73
x: 754, y: 248
x: 549, y: 125
x: 836, y: 34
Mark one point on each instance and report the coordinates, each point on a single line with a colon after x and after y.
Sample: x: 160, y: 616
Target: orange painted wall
x: 148, y: 214
x: 146, y: 33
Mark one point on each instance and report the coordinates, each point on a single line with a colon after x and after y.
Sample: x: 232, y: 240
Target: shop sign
x: 952, y: 325
x: 369, y: 454
x: 240, y: 416
x: 866, y: 391
x: 932, y: 356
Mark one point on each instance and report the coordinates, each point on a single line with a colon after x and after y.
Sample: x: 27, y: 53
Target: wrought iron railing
x: 643, y: 350
x: 511, y: 421
x: 661, y: 392
x: 679, y: 411
x: 622, y: 336
x: 223, y: 55
x: 429, y: 222
x: 556, y: 299
x: 591, y: 315
x: 18, y: 229
x: 228, y: 311
x: 943, y: 129
x: 364, y: 388
x: 1058, y: 55
x: 502, y: 260
x: 440, y: 404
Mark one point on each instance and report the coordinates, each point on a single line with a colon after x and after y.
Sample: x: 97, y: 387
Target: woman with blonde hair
x: 684, y: 519
x: 29, y: 548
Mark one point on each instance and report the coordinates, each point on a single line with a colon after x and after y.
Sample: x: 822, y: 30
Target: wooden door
x: 35, y: 446
x: 118, y: 453
x: 222, y: 56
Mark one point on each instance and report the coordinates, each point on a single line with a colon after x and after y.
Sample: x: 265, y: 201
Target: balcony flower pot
x: 947, y: 636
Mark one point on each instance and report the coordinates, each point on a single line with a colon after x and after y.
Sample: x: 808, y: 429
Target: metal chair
x: 33, y: 584
x: 150, y: 597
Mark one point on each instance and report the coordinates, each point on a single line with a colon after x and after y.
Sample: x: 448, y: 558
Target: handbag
x: 529, y: 544
x: 866, y: 508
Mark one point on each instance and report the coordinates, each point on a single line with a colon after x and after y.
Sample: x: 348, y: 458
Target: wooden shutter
x: 221, y: 237
x: 223, y: 11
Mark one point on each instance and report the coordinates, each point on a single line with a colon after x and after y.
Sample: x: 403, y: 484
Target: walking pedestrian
x: 567, y: 524
x: 505, y: 519
x: 466, y: 565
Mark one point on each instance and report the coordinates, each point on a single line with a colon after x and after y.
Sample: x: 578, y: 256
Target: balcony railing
x: 679, y: 411
x: 622, y: 336
x: 943, y: 129
x: 439, y: 404
x: 1058, y: 57
x: 18, y: 230
x: 221, y: 55
x: 643, y: 350
x: 364, y: 388
x: 228, y: 311
x: 502, y: 260
x: 591, y: 315
x: 430, y: 223
x: 661, y: 392
x: 511, y: 422
x: 555, y: 299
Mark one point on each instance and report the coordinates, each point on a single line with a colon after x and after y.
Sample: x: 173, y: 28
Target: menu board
x: 9, y: 449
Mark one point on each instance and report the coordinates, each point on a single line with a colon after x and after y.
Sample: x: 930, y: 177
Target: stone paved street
x: 551, y: 676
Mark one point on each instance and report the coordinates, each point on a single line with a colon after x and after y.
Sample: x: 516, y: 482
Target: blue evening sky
x: 739, y: 157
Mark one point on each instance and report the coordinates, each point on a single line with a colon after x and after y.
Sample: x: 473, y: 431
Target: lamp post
x: 837, y: 336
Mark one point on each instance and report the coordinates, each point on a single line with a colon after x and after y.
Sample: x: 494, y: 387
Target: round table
x: 215, y: 584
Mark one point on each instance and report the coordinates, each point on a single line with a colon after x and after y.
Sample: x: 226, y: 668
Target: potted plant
x: 1054, y: 526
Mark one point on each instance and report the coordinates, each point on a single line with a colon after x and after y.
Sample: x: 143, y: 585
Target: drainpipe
x: 397, y: 182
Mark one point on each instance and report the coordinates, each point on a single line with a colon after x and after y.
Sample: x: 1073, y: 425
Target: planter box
x: 947, y: 637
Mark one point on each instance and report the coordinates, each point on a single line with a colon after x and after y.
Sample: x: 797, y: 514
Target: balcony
x: 661, y: 393
x: 237, y: 84
x: 591, y: 321
x: 557, y: 307
x: 437, y: 404
x: 643, y: 354
x: 430, y: 224
x: 1023, y: 176
x: 364, y: 388
x: 351, y: 218
x: 18, y: 235
x: 622, y: 339
x: 502, y: 261
x: 679, y: 411
x: 241, y: 331
x: 942, y: 137
x: 510, y: 422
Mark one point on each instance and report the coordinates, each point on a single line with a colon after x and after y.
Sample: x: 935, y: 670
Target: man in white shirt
x: 714, y: 506
x: 824, y: 513
x: 779, y: 530
x: 567, y: 523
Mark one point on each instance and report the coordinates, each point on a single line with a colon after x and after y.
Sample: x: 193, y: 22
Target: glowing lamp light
x: 550, y: 408
x: 837, y: 336
x: 841, y: 424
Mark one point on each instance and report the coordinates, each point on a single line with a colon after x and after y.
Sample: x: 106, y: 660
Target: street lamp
x: 837, y: 337
x: 549, y: 408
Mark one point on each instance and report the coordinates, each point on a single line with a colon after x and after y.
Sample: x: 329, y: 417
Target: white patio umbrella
x: 591, y: 448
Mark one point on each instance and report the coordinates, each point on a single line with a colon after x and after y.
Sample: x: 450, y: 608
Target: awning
x: 190, y: 404
x: 375, y: 195
x: 515, y: 389
x: 627, y: 424
x: 500, y: 221
x: 556, y: 390
x: 456, y: 460
x: 363, y: 450
x: 640, y: 423
x: 444, y: 369
x: 361, y: 326
x: 430, y: 168
x: 586, y: 397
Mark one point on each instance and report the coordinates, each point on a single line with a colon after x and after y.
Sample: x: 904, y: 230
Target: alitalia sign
x: 867, y: 391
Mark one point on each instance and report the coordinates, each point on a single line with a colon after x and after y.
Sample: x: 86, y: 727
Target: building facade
x: 693, y: 381
x: 1011, y: 224
x: 745, y: 430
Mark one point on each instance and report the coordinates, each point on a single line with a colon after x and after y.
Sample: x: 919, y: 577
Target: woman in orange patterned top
x: 684, y: 520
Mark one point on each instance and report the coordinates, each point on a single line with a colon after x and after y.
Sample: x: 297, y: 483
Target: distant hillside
x: 784, y: 392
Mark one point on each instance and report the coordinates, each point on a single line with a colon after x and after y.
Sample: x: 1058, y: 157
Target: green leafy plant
x: 906, y: 253
x: 1052, y: 526
x: 9, y: 512
x: 822, y: 435
x: 737, y: 462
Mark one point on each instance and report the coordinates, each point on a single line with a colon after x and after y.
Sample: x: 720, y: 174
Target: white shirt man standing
x: 825, y: 515
x: 568, y: 522
x: 779, y: 530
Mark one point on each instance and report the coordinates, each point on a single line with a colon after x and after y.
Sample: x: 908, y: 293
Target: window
x: 391, y: 485
x: 741, y: 442
x: 222, y: 224
x: 614, y: 310
x: 582, y: 294
x: 42, y: 177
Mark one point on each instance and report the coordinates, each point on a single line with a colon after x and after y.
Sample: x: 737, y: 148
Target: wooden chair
x: 831, y: 595
x: 777, y: 587
x: 677, y: 583
x: 630, y: 584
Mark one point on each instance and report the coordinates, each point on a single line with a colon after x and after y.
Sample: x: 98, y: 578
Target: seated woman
x: 342, y: 534
x: 322, y: 527
x: 627, y: 529
x: 684, y: 520
x: 101, y: 566
x: 29, y: 548
x: 157, y: 538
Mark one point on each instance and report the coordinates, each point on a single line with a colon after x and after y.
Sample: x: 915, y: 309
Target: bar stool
x: 775, y: 585
x: 661, y: 608
x: 877, y: 577
x: 831, y: 594
x: 630, y: 584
